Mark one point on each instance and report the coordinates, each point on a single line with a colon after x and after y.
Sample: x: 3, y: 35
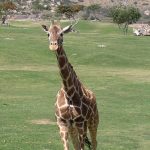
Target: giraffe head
x: 55, y: 34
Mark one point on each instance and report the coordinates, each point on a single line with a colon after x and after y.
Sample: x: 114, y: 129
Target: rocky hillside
x: 142, y: 4
x: 37, y: 6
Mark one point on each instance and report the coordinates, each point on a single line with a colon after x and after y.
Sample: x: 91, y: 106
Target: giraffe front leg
x: 64, y: 134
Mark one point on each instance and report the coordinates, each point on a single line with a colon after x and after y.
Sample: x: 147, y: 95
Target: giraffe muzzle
x: 53, y: 46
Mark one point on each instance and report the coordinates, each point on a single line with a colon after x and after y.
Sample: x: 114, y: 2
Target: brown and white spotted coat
x: 76, y: 109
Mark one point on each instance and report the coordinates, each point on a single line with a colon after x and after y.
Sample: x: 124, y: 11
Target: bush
x: 6, y: 6
x: 124, y: 15
x: 93, y: 11
x: 69, y: 10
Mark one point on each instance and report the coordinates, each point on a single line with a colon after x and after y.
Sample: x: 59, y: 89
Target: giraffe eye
x: 48, y: 34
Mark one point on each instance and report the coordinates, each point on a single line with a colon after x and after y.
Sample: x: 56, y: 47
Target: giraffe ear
x: 67, y: 29
x: 45, y: 29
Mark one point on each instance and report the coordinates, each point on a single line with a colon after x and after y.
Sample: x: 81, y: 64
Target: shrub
x: 124, y: 15
x: 69, y: 10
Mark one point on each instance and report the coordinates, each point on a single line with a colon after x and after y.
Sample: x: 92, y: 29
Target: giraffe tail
x: 88, y: 143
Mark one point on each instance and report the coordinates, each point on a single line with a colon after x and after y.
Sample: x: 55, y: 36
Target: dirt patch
x: 43, y: 122
x: 7, y: 38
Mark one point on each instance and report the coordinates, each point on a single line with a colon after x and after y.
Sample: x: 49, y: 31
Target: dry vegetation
x: 143, y: 4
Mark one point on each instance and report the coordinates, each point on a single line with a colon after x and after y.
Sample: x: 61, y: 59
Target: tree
x: 5, y: 7
x: 69, y: 10
x: 0, y: 9
x: 94, y: 10
x: 124, y: 15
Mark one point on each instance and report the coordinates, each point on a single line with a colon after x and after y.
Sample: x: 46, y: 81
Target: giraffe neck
x: 71, y: 83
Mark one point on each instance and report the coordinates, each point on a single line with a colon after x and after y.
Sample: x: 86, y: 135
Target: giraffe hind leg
x: 88, y: 143
x: 92, y: 126
x: 74, y: 137
x: 82, y: 130
x: 93, y: 134
x: 86, y: 139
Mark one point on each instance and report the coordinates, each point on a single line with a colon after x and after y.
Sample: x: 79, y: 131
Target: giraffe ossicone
x: 76, y: 108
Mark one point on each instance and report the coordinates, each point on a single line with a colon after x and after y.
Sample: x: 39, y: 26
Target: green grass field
x: 118, y: 73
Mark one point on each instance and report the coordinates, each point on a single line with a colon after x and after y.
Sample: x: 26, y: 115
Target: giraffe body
x: 76, y: 109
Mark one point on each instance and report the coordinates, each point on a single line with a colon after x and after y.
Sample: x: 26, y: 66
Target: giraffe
x: 76, y: 109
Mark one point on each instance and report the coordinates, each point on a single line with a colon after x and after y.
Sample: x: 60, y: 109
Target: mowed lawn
x: 116, y: 67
